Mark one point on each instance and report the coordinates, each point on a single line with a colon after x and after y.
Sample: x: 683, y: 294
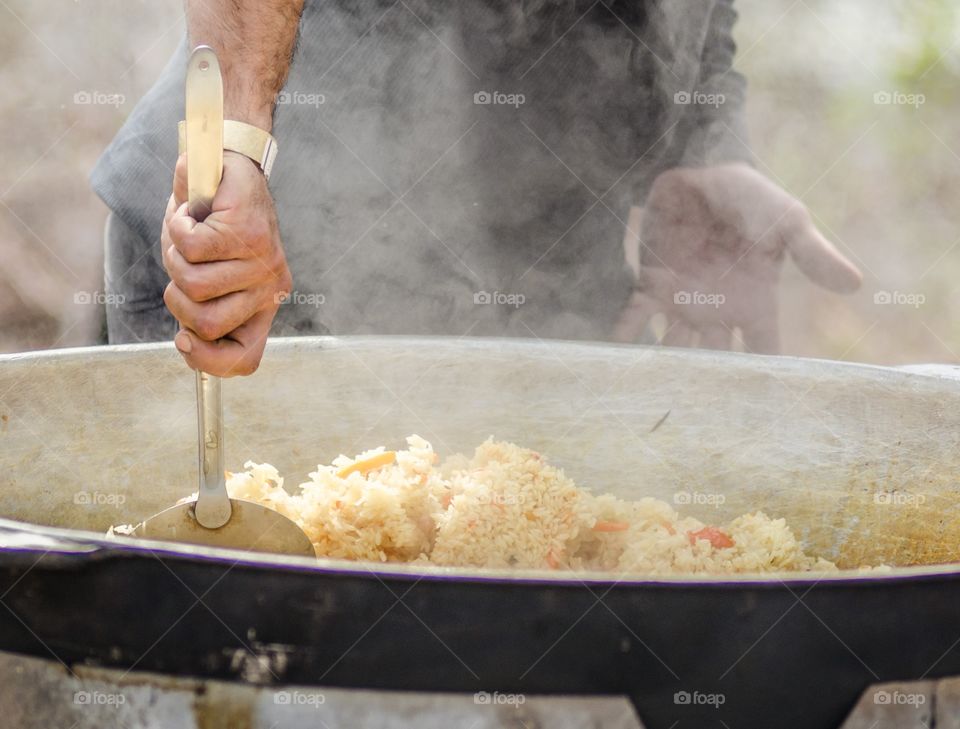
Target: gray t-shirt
x: 453, y: 168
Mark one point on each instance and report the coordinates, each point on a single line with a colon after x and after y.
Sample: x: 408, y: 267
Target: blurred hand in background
x: 228, y: 273
x: 712, y: 243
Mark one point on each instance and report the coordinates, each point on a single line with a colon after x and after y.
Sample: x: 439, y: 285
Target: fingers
x: 217, y: 318
x: 205, y: 281
x: 213, y: 240
x: 634, y: 318
x: 817, y: 257
x: 238, y: 354
x: 199, y: 242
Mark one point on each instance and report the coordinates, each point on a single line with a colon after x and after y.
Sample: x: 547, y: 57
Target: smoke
x: 485, y: 147
x: 812, y: 111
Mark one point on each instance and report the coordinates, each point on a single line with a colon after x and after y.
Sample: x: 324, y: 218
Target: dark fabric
x: 405, y: 205
x: 134, y: 278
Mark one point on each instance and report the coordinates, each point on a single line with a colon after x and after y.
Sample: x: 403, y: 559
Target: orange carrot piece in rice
x: 368, y: 464
x: 610, y: 526
x: 718, y: 538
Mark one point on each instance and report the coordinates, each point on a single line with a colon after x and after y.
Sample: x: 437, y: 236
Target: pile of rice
x: 507, y: 507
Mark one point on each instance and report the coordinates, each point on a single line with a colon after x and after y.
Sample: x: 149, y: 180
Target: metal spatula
x: 214, y: 518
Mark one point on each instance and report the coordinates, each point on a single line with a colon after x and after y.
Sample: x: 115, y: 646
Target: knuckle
x: 194, y: 286
x: 176, y: 231
x: 169, y: 296
x: 206, y: 325
x: 189, y: 250
x: 165, y: 257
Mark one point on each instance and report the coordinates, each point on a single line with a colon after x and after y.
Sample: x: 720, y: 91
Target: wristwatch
x: 245, y: 139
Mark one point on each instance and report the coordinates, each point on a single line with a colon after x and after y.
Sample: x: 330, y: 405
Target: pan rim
x: 532, y: 345
x: 84, y: 544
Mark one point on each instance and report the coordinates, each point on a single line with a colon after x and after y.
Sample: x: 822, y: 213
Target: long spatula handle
x: 204, y: 141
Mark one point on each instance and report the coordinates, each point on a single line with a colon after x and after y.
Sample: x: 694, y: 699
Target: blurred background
x: 852, y: 108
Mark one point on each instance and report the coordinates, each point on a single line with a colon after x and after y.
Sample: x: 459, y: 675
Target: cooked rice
x: 507, y: 507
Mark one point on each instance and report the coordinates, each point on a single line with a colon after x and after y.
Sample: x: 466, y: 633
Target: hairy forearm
x: 254, y: 41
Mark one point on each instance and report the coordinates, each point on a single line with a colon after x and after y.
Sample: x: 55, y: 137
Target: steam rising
x: 467, y: 153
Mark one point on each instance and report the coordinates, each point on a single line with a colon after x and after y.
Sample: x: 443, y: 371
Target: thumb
x: 180, y: 180
x: 820, y: 260
x: 238, y: 353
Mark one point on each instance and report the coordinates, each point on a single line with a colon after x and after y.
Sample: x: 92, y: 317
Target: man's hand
x: 228, y: 273
x: 712, y: 246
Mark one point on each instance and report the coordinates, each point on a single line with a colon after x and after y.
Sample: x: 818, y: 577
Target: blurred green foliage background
x: 882, y: 180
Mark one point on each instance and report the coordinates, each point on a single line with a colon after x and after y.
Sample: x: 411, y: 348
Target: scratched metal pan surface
x: 860, y: 460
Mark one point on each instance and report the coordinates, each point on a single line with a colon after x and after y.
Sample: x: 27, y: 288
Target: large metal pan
x: 862, y: 462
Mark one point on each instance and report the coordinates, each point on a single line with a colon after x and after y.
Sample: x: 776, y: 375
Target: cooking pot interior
x: 860, y: 460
